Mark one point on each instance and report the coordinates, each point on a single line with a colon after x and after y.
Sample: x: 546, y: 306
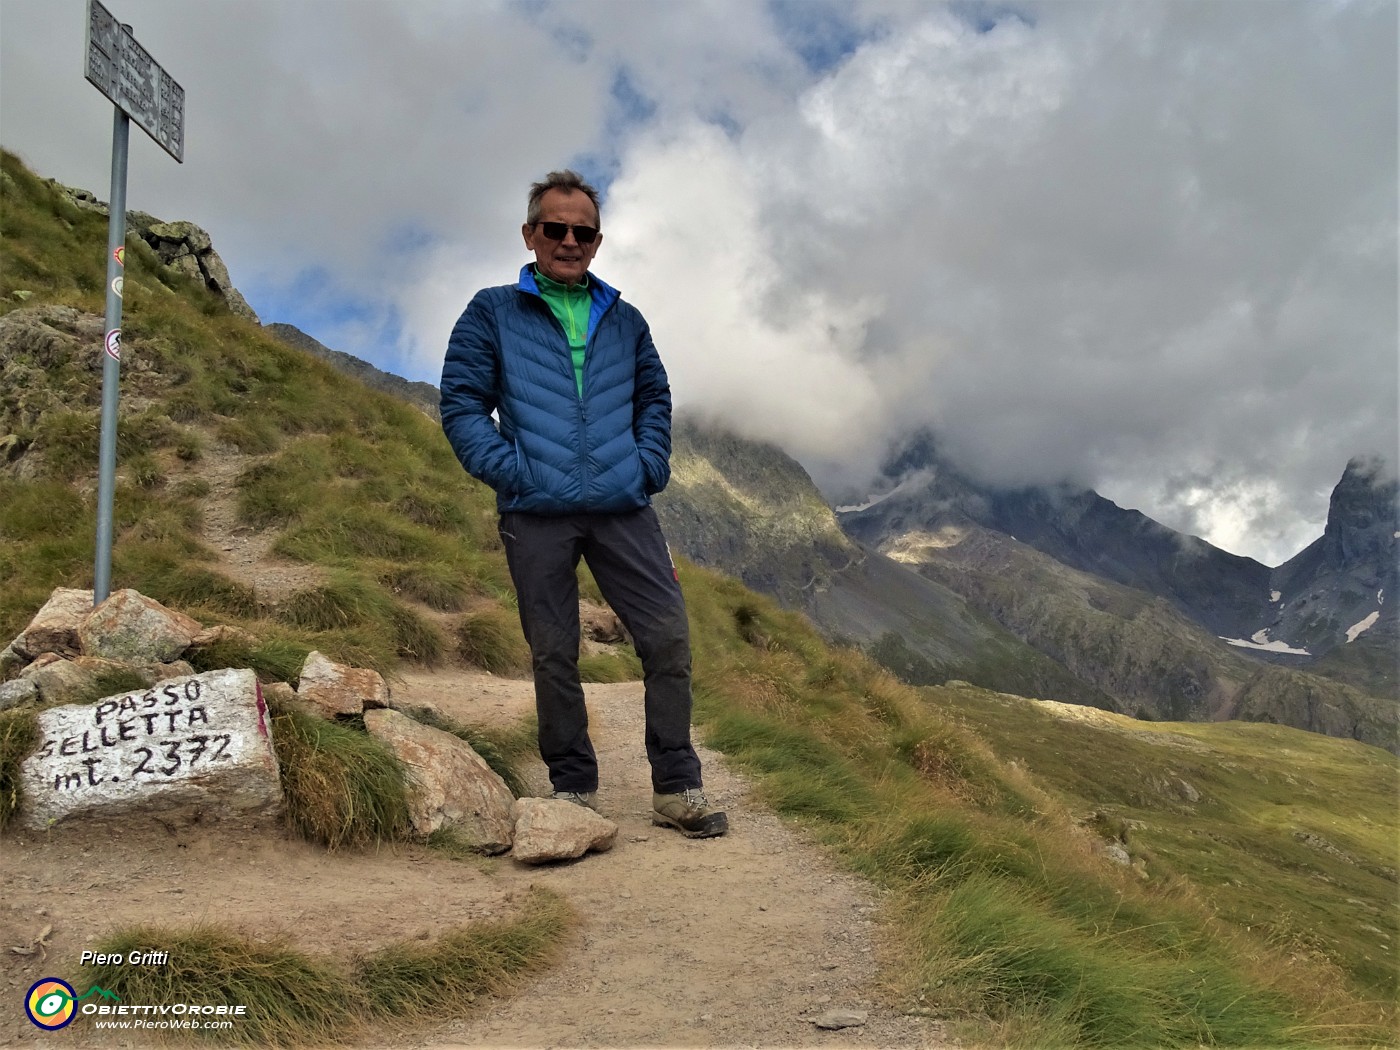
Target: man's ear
x: 526, y: 230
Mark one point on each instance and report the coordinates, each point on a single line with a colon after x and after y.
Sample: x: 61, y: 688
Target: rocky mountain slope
x: 1076, y: 527
x: 748, y: 509
x: 1126, y: 604
x: 422, y: 396
x: 1321, y: 599
x: 1332, y: 595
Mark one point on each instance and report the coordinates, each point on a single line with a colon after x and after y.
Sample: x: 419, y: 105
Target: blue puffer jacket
x: 555, y: 452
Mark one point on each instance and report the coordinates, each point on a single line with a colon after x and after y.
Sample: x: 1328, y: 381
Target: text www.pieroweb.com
x: 180, y: 1017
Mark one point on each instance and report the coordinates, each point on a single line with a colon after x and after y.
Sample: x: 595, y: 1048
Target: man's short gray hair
x: 568, y: 180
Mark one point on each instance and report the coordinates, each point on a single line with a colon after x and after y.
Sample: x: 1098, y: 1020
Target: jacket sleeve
x: 651, y: 414
x: 470, y: 391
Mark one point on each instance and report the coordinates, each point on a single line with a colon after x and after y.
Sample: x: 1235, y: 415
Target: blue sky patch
x: 575, y: 41
x: 333, y: 315
x: 984, y: 16
x: 630, y: 104
x: 820, y: 32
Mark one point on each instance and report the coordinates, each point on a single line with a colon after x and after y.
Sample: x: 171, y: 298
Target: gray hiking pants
x: 629, y: 558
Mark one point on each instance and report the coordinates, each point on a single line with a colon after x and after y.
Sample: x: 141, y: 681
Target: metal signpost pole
x: 111, y: 358
x: 142, y: 91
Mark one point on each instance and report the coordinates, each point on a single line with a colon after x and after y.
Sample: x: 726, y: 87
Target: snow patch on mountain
x: 1262, y: 641
x: 916, y: 479
x: 1357, y: 629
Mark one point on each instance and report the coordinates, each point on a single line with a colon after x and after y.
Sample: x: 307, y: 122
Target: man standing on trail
x: 583, y: 444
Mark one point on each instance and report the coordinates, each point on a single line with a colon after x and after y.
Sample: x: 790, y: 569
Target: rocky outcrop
x: 183, y: 246
x: 598, y: 623
x: 1333, y: 594
x: 186, y: 248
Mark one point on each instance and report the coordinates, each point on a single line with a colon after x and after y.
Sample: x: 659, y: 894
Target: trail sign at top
x: 126, y: 73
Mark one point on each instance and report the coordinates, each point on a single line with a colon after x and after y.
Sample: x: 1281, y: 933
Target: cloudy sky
x: 1147, y: 247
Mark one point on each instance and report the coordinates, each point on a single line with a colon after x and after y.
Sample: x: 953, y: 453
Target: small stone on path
x: 835, y: 1019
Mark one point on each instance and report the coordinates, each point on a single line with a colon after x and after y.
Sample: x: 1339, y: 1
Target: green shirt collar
x: 549, y: 286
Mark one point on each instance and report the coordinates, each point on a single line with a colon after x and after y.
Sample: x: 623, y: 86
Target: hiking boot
x: 586, y: 799
x: 689, y: 813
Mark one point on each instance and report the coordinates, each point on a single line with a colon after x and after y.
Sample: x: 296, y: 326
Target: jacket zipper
x: 582, y: 415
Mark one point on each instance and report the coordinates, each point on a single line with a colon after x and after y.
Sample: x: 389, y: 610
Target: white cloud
x: 687, y: 238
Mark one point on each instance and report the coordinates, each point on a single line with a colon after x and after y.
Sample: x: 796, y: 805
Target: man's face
x: 565, y: 260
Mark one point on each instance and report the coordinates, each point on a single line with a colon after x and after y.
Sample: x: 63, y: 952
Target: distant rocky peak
x: 1363, y: 516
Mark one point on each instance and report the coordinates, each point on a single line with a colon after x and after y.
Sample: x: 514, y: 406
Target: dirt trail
x: 245, y: 553
x: 736, y: 941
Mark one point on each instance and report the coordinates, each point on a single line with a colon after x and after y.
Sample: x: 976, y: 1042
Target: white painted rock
x: 130, y: 627
x: 333, y: 689
x: 197, y: 743
x: 549, y: 829
x: 454, y: 787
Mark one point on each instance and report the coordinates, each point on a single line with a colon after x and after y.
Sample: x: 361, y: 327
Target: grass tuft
x: 409, y: 981
x: 349, y: 601
x: 342, y: 788
x: 19, y: 736
x: 491, y: 639
x: 274, y: 658
x: 438, y: 585
x: 296, y: 999
x: 291, y: 998
x: 620, y: 666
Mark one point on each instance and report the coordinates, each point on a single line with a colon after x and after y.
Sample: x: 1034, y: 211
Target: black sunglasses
x: 557, y: 231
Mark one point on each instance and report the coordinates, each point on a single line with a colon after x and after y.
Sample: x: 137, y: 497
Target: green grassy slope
x: 1278, y: 830
x: 1009, y: 923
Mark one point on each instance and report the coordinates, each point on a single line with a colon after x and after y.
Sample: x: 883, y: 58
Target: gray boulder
x: 132, y: 628
x: 332, y: 689
x: 454, y: 788
x: 551, y: 829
